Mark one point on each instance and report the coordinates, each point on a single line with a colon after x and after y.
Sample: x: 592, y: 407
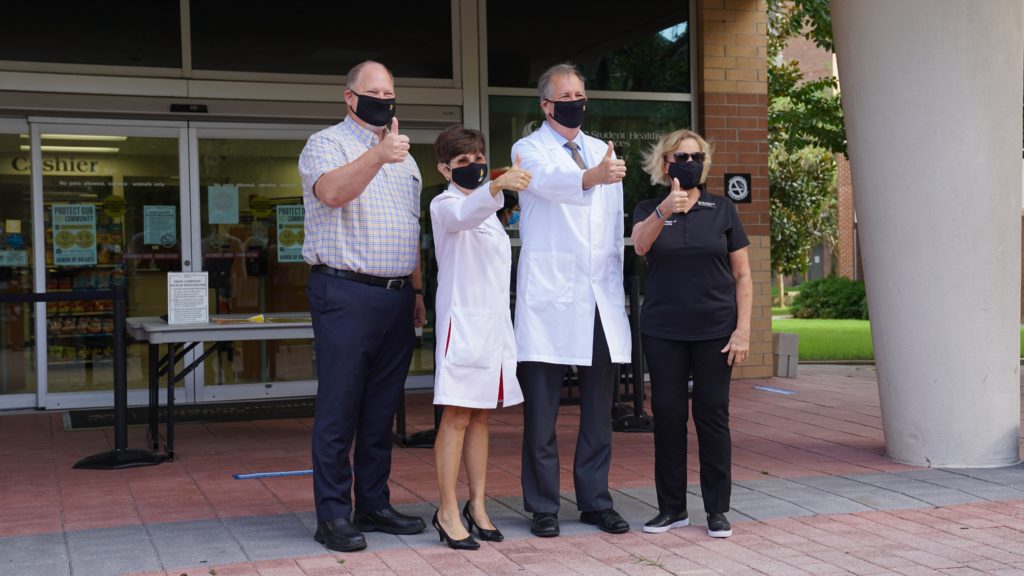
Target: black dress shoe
x: 467, y: 543
x: 485, y: 534
x: 388, y: 520
x: 545, y: 525
x: 666, y: 521
x: 339, y: 535
x: 607, y: 520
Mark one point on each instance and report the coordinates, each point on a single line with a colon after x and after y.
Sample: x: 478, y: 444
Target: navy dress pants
x: 364, y: 343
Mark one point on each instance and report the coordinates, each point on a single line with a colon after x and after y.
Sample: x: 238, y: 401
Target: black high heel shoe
x: 467, y: 543
x: 485, y: 534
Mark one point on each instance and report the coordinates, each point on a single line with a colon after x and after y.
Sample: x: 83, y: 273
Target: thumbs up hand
x: 515, y: 179
x: 393, y: 147
x: 676, y: 201
x: 610, y: 171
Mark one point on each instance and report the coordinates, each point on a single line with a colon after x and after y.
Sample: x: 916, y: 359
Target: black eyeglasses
x: 686, y: 156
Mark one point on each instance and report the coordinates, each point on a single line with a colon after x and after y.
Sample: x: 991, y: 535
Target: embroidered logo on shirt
x: 705, y: 204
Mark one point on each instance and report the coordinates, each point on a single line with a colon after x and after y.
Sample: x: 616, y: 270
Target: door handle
x: 186, y: 263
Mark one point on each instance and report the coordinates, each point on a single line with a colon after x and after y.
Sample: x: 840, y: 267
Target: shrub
x: 833, y: 297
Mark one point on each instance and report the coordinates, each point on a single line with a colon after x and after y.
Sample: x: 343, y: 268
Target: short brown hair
x: 456, y: 140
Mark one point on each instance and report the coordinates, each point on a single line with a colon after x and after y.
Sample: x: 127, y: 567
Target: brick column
x: 845, y: 253
x: 733, y: 117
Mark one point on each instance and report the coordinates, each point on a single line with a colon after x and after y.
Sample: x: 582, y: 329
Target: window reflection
x: 632, y: 125
x: 17, y: 326
x: 643, y: 48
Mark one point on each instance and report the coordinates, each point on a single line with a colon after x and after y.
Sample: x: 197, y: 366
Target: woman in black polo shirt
x: 695, y: 320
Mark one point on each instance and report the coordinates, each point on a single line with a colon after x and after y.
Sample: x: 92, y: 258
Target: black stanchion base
x: 116, y: 459
x: 424, y: 439
x: 621, y: 411
x: 633, y: 423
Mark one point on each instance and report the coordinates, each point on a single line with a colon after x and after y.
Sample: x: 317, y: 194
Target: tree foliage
x: 805, y: 131
x: 802, y: 202
x: 801, y: 112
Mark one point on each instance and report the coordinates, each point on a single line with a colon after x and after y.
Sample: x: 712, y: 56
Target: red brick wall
x: 846, y: 252
x: 733, y: 117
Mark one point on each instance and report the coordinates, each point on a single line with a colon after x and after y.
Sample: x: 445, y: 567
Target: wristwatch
x: 657, y: 212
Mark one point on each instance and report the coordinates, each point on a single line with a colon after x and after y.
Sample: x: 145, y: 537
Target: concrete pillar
x: 932, y: 97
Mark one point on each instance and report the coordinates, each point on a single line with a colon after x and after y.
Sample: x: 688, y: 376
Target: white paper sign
x: 290, y: 232
x: 188, y: 297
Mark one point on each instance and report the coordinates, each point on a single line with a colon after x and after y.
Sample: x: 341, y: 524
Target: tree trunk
x: 782, y: 289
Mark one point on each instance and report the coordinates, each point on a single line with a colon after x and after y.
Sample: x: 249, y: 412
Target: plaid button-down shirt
x: 378, y: 232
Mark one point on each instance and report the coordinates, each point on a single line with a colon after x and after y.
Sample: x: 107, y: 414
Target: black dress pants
x: 364, y: 343
x: 670, y: 363
x: 542, y: 387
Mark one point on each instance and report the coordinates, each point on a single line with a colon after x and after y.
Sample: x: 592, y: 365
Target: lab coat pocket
x: 549, y: 277
x: 472, y: 341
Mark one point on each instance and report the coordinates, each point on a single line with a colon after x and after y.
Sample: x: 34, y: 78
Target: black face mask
x: 374, y: 111
x: 470, y: 176
x: 688, y: 174
x: 570, y: 114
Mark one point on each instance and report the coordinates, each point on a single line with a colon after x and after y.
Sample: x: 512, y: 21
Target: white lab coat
x: 475, y: 341
x: 571, y: 256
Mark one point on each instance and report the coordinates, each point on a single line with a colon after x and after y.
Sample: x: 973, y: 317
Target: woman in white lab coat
x: 476, y: 347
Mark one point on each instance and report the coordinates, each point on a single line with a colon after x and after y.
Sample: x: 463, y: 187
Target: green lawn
x: 830, y: 339
x: 835, y: 339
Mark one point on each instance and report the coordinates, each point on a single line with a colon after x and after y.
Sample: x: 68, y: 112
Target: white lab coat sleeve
x: 456, y: 212
x: 550, y: 180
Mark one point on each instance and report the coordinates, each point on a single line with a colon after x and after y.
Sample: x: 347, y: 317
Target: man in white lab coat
x: 570, y: 307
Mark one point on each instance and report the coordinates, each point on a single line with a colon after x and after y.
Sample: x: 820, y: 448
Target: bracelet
x: 657, y: 212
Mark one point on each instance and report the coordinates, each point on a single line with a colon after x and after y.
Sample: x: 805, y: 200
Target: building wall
x: 847, y: 265
x: 734, y: 118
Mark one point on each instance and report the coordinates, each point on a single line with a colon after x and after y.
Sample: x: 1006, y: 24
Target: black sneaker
x: 665, y: 521
x: 718, y: 526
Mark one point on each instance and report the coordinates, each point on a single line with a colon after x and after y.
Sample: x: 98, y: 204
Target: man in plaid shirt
x: 361, y: 191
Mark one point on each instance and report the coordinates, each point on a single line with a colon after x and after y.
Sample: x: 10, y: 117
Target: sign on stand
x: 188, y: 297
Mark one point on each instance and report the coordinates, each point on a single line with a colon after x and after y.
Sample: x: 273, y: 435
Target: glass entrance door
x: 112, y: 211
x: 121, y: 203
x: 247, y: 197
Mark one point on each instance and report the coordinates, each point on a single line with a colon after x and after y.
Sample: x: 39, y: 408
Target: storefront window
x: 111, y: 211
x: 251, y: 224
x: 645, y: 47
x: 414, y: 39
x: 115, y: 32
x: 17, y: 324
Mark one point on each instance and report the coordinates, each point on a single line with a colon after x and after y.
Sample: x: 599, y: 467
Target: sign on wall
x: 290, y: 232
x: 737, y: 188
x: 160, y: 225
x: 74, y: 234
x: 222, y: 204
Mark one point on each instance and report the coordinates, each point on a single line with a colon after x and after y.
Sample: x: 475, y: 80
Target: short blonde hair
x: 654, y: 160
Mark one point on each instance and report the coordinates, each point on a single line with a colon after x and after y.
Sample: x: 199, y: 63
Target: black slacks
x: 364, y: 343
x: 542, y: 387
x: 670, y: 363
